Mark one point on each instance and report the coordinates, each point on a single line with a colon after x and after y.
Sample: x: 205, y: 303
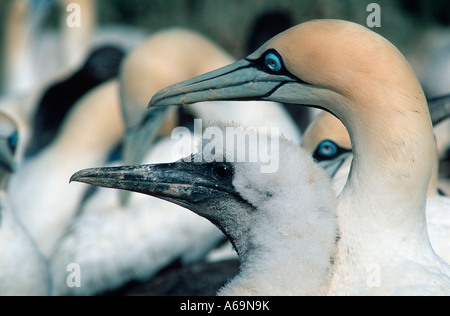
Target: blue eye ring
x: 328, y: 149
x: 273, y: 62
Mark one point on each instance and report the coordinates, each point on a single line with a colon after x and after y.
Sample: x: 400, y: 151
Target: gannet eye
x: 326, y: 150
x: 273, y: 62
x: 222, y: 171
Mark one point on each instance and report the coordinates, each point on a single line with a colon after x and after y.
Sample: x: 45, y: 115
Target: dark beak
x: 139, y: 139
x: 185, y: 184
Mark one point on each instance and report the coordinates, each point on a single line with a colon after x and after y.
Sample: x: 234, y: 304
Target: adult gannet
x: 23, y: 269
x: 282, y: 224
x: 366, y: 82
x: 38, y: 190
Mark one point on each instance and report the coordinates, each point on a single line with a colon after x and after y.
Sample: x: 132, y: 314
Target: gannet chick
x: 282, y: 224
x: 23, y: 269
x: 342, y: 67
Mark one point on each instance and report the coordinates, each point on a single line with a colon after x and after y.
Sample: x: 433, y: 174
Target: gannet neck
x: 400, y: 164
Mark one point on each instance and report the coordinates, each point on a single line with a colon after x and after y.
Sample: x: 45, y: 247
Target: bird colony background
x: 403, y: 22
x: 419, y: 28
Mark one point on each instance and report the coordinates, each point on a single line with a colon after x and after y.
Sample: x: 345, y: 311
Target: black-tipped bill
x: 182, y: 183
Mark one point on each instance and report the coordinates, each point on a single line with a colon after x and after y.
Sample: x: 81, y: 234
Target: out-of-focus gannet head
x: 326, y: 138
x: 282, y: 223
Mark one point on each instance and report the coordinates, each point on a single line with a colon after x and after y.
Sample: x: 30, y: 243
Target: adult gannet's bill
x: 23, y: 269
x: 366, y: 82
x: 283, y: 224
x: 170, y: 56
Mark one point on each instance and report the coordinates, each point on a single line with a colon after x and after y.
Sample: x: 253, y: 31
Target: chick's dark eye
x: 222, y: 172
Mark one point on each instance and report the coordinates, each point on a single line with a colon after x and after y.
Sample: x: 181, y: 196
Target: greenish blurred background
x: 228, y: 22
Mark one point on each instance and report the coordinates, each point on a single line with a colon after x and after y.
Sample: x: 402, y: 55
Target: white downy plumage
x: 282, y: 224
